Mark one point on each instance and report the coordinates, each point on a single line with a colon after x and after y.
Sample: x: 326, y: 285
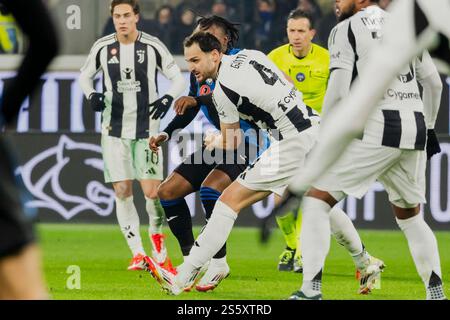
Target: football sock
x: 128, y: 219
x: 155, y: 214
x: 315, y: 236
x: 424, y: 249
x: 209, y: 197
x: 314, y: 286
x: 288, y: 228
x: 346, y: 235
x: 213, y: 236
x: 180, y: 223
x: 298, y: 231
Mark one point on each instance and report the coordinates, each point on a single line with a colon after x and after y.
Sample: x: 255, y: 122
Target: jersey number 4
x: 266, y: 74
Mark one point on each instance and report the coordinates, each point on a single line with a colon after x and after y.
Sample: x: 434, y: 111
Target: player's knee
x: 404, y: 210
x: 151, y: 194
x: 322, y: 195
x: 165, y: 192
x: 123, y: 191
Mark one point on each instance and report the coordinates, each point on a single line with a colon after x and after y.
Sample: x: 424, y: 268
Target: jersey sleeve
x: 165, y: 61
x: 342, y: 55
x: 226, y: 102
x: 89, y: 70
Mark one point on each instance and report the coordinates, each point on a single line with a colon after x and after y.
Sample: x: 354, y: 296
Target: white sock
x: 315, y: 241
x: 128, y: 219
x: 423, y: 247
x: 346, y: 235
x: 219, y: 261
x: 213, y: 236
x: 155, y: 215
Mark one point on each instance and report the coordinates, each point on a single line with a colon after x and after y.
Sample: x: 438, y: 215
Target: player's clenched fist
x: 156, y: 141
x: 184, y: 103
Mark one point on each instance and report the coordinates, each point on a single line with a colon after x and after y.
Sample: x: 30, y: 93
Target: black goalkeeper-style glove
x: 433, y: 146
x: 97, y: 101
x: 160, y: 107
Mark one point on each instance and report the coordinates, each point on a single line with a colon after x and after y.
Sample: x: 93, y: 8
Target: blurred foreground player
x: 20, y: 262
x: 408, y: 131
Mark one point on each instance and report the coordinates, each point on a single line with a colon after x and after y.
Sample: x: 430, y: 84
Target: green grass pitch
x: 103, y: 256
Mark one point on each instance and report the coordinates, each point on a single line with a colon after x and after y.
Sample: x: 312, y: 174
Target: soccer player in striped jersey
x: 307, y: 65
x: 131, y: 112
x: 391, y: 127
x: 250, y: 87
x: 208, y: 177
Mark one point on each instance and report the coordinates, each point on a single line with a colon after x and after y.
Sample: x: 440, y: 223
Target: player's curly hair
x: 230, y: 28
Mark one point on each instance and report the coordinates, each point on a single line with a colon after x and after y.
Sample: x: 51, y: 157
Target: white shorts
x: 402, y: 172
x: 276, y: 166
x: 127, y: 159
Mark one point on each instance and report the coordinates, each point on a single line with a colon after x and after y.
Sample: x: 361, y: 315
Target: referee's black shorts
x: 16, y: 230
x: 199, y: 164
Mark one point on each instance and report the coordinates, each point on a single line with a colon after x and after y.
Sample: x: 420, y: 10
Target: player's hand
x: 160, y: 107
x: 290, y: 202
x: 155, y: 142
x: 184, y: 103
x: 212, y: 139
x: 433, y: 146
x: 97, y: 101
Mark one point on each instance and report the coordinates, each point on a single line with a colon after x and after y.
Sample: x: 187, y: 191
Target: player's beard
x: 348, y: 13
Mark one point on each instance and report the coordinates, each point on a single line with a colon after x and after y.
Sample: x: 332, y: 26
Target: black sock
x: 209, y: 198
x: 180, y: 223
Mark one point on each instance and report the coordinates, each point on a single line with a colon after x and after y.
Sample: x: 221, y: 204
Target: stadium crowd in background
x: 262, y: 22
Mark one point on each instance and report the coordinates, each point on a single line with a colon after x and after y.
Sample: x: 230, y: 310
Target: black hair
x: 298, y: 14
x: 206, y: 41
x: 230, y: 28
x: 133, y: 3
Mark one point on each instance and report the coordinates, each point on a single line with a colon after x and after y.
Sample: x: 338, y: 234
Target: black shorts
x: 199, y: 164
x: 16, y: 230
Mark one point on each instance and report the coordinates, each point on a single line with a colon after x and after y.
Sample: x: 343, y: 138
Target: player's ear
x: 312, y: 33
x: 137, y: 18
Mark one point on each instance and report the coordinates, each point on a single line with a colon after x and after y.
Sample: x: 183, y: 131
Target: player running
x: 197, y: 172
x: 393, y: 135
x: 130, y: 60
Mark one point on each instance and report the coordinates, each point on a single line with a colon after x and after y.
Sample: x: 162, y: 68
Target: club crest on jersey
x: 300, y: 77
x: 209, y: 81
x: 141, y: 56
x: 204, y: 90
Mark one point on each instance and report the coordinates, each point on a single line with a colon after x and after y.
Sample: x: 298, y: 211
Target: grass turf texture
x: 103, y: 256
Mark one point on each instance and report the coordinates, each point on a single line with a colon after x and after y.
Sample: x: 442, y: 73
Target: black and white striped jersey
x: 398, y: 120
x: 129, y: 81
x: 250, y: 87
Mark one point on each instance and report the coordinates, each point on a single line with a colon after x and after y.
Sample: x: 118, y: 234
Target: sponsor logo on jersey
x: 300, y: 77
x: 398, y: 95
x: 113, y: 60
x: 128, y: 85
